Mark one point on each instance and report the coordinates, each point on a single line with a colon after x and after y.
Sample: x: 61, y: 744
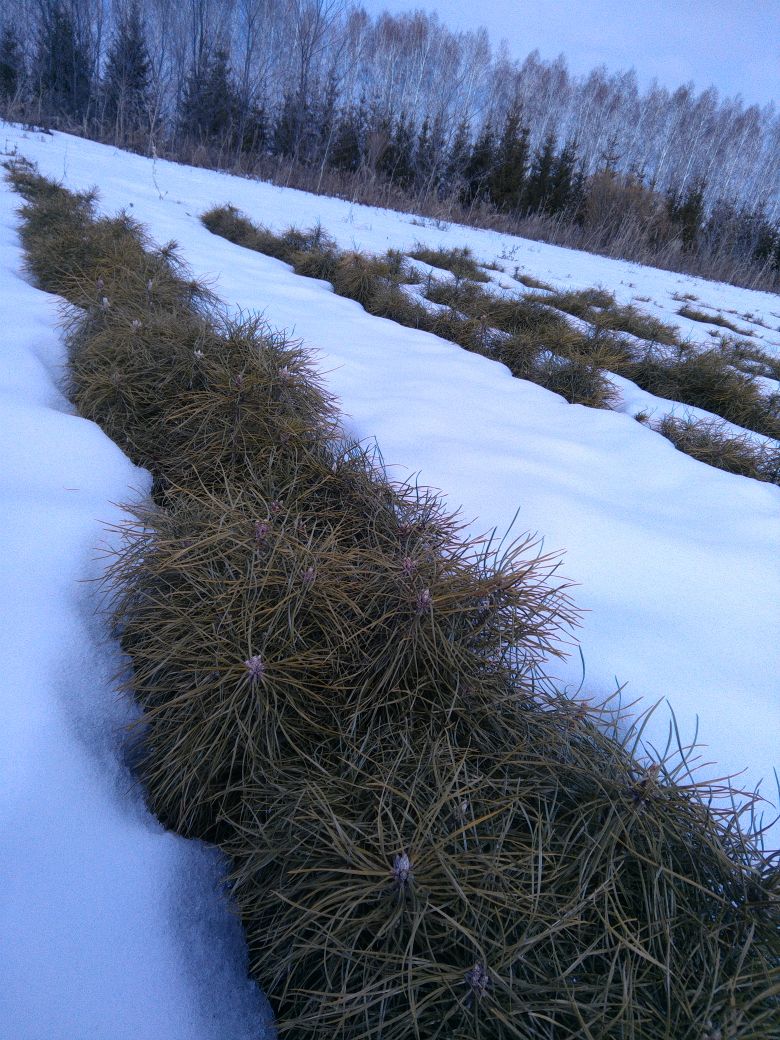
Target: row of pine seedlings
x: 567, y: 342
x: 348, y: 697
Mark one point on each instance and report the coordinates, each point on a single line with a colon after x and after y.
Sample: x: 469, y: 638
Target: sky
x: 731, y: 44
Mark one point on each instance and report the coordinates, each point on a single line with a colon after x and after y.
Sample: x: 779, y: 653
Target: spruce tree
x: 285, y: 132
x: 296, y: 132
x: 209, y: 110
x: 457, y: 159
x: 507, y: 178
x: 127, y: 79
x: 11, y: 64
x: 396, y: 162
x: 540, y: 180
x: 430, y: 155
x: 479, y: 167
x: 686, y: 210
x: 346, y: 151
x: 324, y: 118
x: 560, y: 197
x: 254, y: 131
x: 62, y: 65
x: 767, y: 242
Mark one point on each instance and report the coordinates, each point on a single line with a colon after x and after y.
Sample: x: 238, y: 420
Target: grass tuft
x: 600, y: 309
x: 751, y: 359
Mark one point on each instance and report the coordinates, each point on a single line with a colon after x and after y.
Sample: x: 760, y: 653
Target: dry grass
x: 361, y: 622
x: 540, y: 345
x: 375, y: 282
x: 227, y: 222
x: 428, y: 840
x: 751, y: 359
x: 626, y: 239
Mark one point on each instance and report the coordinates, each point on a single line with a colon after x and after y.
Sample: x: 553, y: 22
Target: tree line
x: 406, y: 107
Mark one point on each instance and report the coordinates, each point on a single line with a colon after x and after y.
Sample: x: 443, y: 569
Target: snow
x: 677, y: 568
x: 112, y: 928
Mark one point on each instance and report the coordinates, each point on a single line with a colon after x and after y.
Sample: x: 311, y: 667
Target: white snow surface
x: 112, y: 927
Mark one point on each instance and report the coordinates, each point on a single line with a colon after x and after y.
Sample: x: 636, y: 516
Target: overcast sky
x: 733, y: 44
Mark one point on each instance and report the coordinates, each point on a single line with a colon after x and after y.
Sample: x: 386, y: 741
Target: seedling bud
x: 402, y: 870
x: 478, y: 980
x: 256, y: 669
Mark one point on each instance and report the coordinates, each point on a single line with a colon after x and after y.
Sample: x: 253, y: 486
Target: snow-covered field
x: 112, y: 927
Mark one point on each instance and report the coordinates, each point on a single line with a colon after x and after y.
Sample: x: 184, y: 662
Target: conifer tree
x: 508, y: 175
x: 686, y: 210
x: 457, y: 160
x: 479, y: 166
x: 396, y: 162
x: 296, y: 131
x: 62, y: 65
x: 285, y: 129
x: 610, y: 156
x: 209, y: 108
x: 540, y: 180
x: 254, y: 129
x: 767, y: 244
x: 11, y: 64
x: 127, y: 89
x: 324, y: 120
x: 346, y: 151
x: 430, y: 155
x: 563, y: 181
